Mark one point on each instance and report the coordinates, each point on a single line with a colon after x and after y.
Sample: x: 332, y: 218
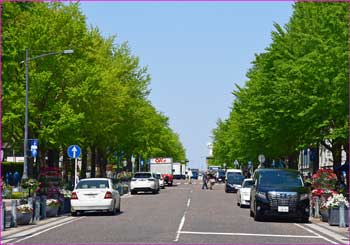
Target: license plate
x: 283, y: 209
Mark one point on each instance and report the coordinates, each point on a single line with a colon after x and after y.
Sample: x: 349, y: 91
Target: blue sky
x: 195, y: 52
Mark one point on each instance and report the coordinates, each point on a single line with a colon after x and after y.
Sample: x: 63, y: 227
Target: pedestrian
x: 211, y: 180
x: 189, y: 173
x: 205, y: 179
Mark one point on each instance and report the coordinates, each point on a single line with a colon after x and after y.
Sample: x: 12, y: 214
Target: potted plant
x: 24, y: 214
x: 52, y: 206
x: 333, y: 204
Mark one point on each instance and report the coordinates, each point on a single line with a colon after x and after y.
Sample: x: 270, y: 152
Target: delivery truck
x: 164, y: 166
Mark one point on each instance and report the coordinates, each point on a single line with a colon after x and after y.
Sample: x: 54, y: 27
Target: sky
x: 195, y: 52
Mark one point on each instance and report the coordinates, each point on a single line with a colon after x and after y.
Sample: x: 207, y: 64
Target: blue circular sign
x: 73, y: 151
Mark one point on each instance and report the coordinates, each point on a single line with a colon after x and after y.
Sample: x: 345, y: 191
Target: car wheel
x: 118, y: 209
x: 304, y: 219
x: 257, y: 216
x: 133, y: 192
x: 73, y: 213
x: 171, y: 183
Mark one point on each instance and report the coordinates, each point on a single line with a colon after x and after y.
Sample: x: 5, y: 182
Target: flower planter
x: 23, y: 218
x: 333, y: 216
x: 66, y: 207
x: 324, y: 215
x: 51, y: 211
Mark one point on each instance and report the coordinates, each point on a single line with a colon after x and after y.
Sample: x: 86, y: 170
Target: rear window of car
x: 248, y: 183
x: 142, y: 175
x: 93, y: 184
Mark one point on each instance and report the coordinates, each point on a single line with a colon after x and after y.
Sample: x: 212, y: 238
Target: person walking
x: 189, y: 173
x: 211, y: 180
x: 205, y: 180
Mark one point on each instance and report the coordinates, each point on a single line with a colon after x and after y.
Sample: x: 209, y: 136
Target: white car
x: 243, y: 194
x: 161, y: 180
x: 144, y: 181
x: 95, y: 194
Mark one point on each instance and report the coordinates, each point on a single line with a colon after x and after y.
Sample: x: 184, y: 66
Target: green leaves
x: 296, y: 95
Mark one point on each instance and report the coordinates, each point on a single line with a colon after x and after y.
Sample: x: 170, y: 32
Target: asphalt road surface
x: 181, y: 214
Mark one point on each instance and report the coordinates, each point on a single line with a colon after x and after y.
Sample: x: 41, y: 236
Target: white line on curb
x: 311, y: 231
x: 247, y: 234
x: 53, y: 227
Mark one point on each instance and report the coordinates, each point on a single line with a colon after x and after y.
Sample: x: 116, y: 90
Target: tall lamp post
x: 26, y: 61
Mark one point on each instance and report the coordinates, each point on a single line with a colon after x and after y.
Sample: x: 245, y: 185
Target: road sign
x: 250, y: 164
x: 261, y: 158
x: 141, y: 162
x: 34, y: 147
x: 73, y: 151
x: 236, y: 163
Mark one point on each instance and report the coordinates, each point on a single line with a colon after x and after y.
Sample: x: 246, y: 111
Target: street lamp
x: 26, y: 61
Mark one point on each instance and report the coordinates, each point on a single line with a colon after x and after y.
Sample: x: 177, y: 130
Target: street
x: 180, y: 214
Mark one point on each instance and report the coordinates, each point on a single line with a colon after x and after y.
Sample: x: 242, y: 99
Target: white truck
x: 177, y: 167
x: 164, y: 166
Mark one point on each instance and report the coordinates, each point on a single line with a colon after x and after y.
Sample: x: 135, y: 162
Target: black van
x: 279, y: 192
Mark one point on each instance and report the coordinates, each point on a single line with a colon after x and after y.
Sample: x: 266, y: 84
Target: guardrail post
x: 3, y: 218
x: 342, y: 215
x: 13, y: 213
x: 317, y: 207
x: 311, y: 211
x: 43, y: 207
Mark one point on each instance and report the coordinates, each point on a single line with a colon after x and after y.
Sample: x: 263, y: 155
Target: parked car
x: 279, y: 192
x: 233, y: 182
x: 161, y: 180
x: 144, y: 181
x: 220, y: 175
x: 243, y: 194
x: 95, y: 194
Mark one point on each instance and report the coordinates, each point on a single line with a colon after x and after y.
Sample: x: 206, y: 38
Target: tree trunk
x: 93, y: 161
x: 316, y: 160
x: 52, y: 158
x: 292, y: 160
x: 336, y: 153
x: 65, y: 166
x: 83, y: 163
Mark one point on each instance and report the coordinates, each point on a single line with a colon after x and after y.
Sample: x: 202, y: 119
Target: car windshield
x: 235, y: 179
x: 157, y: 176
x: 248, y: 183
x: 280, y: 179
x: 93, y: 184
x: 142, y: 175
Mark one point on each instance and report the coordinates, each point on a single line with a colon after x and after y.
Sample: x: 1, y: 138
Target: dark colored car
x: 221, y: 175
x: 279, y: 193
x: 233, y: 182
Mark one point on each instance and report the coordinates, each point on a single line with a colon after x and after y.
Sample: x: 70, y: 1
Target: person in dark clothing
x: 205, y: 180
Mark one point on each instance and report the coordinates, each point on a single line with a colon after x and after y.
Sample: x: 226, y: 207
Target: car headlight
x: 304, y: 196
x: 261, y: 194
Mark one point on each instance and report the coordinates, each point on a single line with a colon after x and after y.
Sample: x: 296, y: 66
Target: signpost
x: 236, y: 163
x: 34, y: 147
x: 261, y: 158
x: 74, y: 151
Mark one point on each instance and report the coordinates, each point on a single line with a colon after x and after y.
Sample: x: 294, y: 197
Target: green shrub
x: 19, y: 195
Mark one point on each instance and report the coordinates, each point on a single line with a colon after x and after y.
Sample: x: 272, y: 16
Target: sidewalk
x: 342, y: 234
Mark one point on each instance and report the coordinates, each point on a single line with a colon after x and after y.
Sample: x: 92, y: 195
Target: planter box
x: 66, y: 207
x: 23, y: 218
x: 324, y: 215
x: 51, y: 211
x: 333, y: 216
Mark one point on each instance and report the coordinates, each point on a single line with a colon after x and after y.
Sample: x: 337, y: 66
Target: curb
x: 335, y: 232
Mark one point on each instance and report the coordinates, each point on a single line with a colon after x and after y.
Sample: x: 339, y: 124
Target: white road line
x: 40, y: 232
x: 247, y: 234
x: 182, y: 222
x: 313, y: 232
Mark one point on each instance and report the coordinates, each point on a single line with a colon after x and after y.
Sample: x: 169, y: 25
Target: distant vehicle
x: 161, y: 180
x: 177, y: 167
x: 279, y: 192
x: 164, y: 166
x: 243, y: 194
x: 221, y: 175
x: 195, y: 172
x: 215, y: 168
x: 233, y: 182
x: 233, y: 171
x: 95, y: 194
x: 144, y: 181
